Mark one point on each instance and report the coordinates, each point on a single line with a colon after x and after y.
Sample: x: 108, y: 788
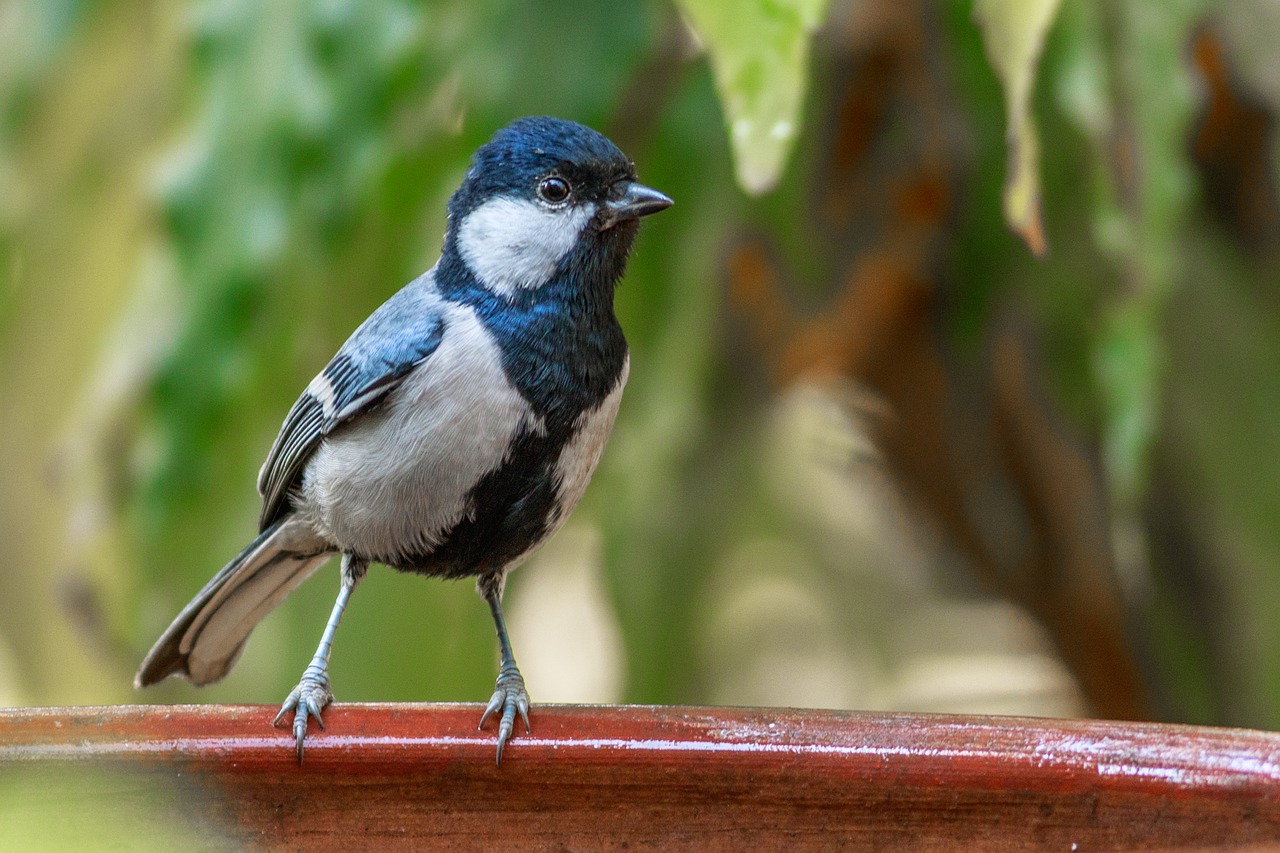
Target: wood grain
x: 422, y: 777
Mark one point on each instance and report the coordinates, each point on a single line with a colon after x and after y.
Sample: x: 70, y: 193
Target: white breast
x: 393, y: 481
x: 582, y: 454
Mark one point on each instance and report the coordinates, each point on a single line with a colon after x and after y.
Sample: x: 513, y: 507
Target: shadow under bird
x: 458, y: 426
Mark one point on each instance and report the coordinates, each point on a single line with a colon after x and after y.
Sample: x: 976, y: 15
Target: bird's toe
x: 509, y: 699
x: 307, y: 701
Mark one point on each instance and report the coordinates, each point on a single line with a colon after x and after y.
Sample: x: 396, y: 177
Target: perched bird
x: 458, y: 426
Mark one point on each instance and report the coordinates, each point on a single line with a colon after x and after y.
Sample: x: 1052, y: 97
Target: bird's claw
x: 511, y: 698
x: 307, y: 701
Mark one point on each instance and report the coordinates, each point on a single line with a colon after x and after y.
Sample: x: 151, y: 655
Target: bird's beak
x: 637, y: 201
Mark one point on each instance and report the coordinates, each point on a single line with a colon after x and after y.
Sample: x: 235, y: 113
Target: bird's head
x: 547, y: 197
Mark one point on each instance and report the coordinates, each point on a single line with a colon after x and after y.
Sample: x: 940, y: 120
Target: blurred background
x: 954, y: 367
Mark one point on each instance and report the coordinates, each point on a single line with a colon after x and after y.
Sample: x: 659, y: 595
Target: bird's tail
x: 205, y: 640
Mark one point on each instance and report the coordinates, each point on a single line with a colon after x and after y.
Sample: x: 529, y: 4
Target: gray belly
x: 516, y: 506
x: 395, y: 481
x: 581, y: 455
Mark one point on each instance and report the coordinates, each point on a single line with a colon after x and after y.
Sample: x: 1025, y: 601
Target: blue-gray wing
x: 398, y: 337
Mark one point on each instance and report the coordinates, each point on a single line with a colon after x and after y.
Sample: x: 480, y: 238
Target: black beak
x: 637, y: 201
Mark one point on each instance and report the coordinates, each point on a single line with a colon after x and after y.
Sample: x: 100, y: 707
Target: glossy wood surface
x: 413, y: 777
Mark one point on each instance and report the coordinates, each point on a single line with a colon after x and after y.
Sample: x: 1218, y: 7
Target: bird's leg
x: 509, y: 695
x: 313, y: 693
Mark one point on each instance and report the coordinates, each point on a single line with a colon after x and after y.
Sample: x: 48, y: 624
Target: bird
x: 460, y: 423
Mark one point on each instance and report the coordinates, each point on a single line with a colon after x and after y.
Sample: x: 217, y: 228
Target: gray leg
x: 509, y: 696
x: 313, y: 693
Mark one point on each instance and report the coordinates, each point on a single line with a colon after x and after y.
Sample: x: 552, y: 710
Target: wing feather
x: 398, y: 337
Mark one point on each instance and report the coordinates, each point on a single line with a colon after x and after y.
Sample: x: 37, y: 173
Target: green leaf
x: 1129, y: 361
x: 1118, y: 87
x: 1013, y: 32
x: 759, y: 53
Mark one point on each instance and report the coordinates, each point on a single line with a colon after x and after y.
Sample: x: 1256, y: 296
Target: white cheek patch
x: 512, y: 244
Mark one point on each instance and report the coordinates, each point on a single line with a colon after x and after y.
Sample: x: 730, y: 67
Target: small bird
x: 458, y: 426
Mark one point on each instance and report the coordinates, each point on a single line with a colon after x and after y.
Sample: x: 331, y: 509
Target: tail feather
x: 206, y: 638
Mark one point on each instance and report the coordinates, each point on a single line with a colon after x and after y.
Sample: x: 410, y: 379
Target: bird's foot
x: 307, y: 700
x: 509, y: 698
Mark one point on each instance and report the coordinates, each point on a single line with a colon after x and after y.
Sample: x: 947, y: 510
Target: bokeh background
x: 955, y: 365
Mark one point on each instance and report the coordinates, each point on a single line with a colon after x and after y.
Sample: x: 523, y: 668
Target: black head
x: 544, y: 192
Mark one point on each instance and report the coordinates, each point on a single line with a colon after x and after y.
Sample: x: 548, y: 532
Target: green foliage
x: 1014, y: 33
x: 36, y: 33
x: 760, y: 54
x: 61, y: 808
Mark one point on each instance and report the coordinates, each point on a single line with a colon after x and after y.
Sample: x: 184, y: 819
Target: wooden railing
x: 413, y: 777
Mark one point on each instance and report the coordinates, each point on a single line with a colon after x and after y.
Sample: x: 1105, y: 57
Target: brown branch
x: 422, y: 777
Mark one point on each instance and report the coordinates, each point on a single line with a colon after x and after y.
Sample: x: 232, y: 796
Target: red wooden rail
x: 421, y: 777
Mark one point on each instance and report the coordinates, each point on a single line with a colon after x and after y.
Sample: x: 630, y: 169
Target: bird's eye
x: 553, y: 189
